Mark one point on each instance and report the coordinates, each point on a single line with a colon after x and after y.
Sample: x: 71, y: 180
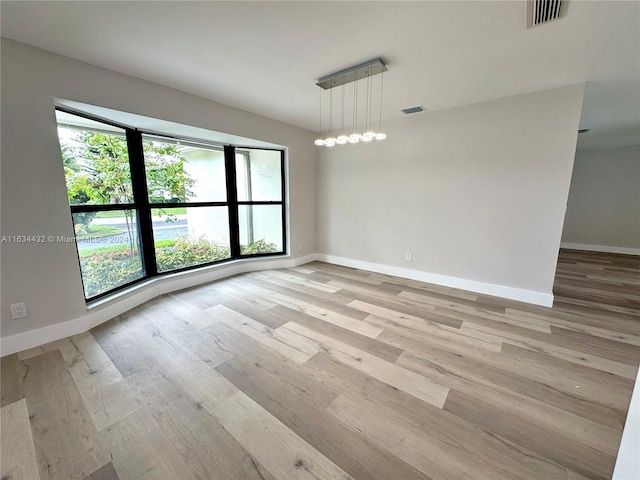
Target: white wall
x: 604, y: 199
x: 476, y: 193
x: 34, y: 200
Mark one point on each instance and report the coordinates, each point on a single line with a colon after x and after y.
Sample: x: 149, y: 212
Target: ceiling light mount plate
x: 351, y: 74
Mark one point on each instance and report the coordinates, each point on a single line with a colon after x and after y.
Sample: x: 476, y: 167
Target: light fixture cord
x: 342, y: 109
x: 369, y: 100
x: 320, y: 108
x: 381, y: 88
x: 371, y: 107
x: 366, y: 107
x: 355, y: 104
x: 331, y: 112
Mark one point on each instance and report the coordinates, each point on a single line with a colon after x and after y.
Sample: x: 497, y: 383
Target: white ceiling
x: 265, y: 57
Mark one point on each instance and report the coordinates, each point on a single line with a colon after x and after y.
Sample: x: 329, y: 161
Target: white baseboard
x: 115, y: 305
x: 528, y: 296
x: 600, y: 248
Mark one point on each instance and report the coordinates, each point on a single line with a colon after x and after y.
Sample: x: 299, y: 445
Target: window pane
x: 260, y: 229
x: 183, y: 173
x: 259, y: 176
x: 96, y: 161
x: 190, y: 236
x: 108, y: 249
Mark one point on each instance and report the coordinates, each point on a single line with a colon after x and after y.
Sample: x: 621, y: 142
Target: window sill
x: 190, y: 278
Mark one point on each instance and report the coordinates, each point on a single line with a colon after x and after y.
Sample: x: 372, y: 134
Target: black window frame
x: 263, y: 202
x: 143, y: 207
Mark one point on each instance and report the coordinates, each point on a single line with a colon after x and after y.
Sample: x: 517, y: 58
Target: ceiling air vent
x: 410, y: 110
x: 543, y: 11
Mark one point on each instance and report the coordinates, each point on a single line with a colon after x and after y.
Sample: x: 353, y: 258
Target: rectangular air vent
x: 543, y: 11
x: 410, y: 110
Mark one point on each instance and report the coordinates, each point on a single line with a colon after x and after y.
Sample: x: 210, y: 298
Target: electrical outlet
x: 18, y: 310
x: 407, y: 257
x: 299, y: 247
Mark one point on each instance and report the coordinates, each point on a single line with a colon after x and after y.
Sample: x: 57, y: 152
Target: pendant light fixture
x: 353, y: 75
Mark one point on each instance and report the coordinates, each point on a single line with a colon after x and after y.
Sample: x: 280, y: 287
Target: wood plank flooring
x: 327, y: 372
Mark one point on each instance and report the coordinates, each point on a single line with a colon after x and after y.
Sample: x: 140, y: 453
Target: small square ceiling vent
x: 543, y: 11
x: 410, y: 110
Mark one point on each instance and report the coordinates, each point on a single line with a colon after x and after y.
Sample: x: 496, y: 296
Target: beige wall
x: 476, y: 192
x: 34, y: 202
x: 604, y: 198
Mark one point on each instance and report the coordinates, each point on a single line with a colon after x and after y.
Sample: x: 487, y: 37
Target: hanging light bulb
x: 367, y: 136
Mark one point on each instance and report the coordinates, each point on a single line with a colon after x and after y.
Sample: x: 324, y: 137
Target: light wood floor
x: 326, y: 372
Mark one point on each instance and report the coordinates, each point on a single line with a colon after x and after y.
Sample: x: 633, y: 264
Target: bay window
x: 145, y: 204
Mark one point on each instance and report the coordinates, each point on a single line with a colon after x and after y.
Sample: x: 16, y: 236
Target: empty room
x: 279, y: 240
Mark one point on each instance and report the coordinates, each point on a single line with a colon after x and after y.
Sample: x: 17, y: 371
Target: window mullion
x: 232, y: 199
x: 141, y: 198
